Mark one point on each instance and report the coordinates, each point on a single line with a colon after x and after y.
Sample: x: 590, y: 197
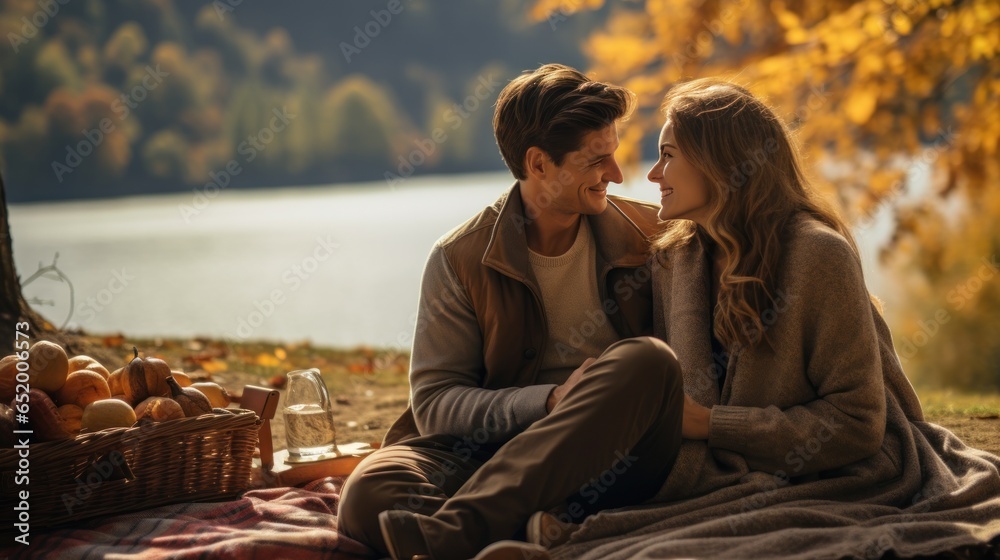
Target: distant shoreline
x: 24, y: 195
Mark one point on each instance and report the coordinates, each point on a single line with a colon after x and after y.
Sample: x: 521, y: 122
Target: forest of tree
x: 120, y: 97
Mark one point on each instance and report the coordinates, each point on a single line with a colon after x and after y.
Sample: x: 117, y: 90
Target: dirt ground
x: 369, y: 386
x: 982, y: 433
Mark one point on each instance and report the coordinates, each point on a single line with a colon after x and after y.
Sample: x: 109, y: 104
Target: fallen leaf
x: 360, y: 368
x: 214, y: 365
x: 267, y: 360
x: 278, y: 382
x: 113, y: 340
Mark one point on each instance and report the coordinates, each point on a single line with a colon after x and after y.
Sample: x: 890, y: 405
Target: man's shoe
x: 513, y: 550
x: 402, y: 535
x: 547, y: 530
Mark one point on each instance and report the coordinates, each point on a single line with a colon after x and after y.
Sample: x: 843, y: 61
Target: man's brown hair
x: 552, y: 108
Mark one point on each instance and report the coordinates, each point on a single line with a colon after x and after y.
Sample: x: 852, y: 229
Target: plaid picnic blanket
x: 267, y: 524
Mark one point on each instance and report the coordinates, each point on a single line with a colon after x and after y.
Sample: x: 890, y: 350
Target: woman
x: 773, y: 283
x: 803, y: 435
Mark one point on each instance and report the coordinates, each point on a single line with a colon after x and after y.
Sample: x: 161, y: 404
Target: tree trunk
x: 13, y: 307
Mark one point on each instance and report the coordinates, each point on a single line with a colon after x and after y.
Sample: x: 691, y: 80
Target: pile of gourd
x: 69, y: 396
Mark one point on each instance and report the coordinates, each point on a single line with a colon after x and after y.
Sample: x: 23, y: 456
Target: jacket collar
x: 620, y: 242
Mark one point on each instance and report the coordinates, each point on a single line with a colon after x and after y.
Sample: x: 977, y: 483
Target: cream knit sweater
x: 578, y: 328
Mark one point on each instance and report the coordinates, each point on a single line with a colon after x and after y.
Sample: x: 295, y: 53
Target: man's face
x: 580, y: 184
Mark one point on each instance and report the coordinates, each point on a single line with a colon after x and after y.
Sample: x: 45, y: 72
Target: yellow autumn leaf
x: 555, y: 10
x: 901, y: 23
x: 543, y: 9
x: 646, y: 87
x: 851, y: 39
x: 280, y: 353
x: 949, y: 25
x: 787, y: 19
x: 874, y: 26
x: 870, y: 65
x: 896, y: 62
x: 906, y: 5
x: 214, y: 365
x: 883, y: 183
x: 986, y: 12
x: 773, y: 65
x: 796, y: 36
x: 982, y: 47
x: 860, y: 104
x: 629, y: 53
x: 267, y: 360
x: 990, y: 142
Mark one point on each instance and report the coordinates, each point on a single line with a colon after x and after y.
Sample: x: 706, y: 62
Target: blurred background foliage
x: 895, y: 103
x: 365, y: 90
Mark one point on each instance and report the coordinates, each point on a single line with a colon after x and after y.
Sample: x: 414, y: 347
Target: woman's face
x: 684, y: 191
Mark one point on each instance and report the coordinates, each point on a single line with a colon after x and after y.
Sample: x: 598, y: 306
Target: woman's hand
x: 696, y: 420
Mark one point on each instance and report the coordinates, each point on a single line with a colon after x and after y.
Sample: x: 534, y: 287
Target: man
x: 510, y: 414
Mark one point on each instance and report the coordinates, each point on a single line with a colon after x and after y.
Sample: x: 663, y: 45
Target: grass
x: 938, y: 403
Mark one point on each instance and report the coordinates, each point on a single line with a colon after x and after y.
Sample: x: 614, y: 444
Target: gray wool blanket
x: 818, y: 447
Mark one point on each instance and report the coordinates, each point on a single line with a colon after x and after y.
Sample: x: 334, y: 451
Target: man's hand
x: 560, y: 391
x: 697, y: 420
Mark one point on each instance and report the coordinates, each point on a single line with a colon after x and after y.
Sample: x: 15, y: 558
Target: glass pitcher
x: 308, y: 413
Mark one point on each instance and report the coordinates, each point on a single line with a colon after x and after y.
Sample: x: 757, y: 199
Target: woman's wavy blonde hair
x: 756, y: 187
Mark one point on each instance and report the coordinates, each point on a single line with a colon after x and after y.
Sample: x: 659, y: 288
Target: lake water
x: 337, y: 265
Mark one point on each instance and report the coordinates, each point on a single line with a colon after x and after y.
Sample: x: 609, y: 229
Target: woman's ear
x: 536, y: 162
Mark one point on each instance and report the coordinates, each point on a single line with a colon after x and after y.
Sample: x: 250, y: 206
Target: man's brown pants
x: 610, y: 443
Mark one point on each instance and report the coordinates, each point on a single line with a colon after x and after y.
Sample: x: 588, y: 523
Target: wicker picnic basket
x: 203, y: 458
